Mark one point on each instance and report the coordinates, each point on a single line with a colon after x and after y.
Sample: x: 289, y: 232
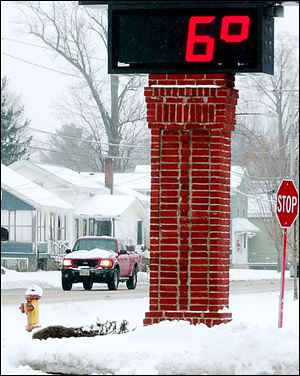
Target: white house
x: 116, y: 215
x: 90, y: 198
x: 67, y: 184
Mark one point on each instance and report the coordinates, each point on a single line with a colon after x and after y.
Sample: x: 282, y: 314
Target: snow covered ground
x: 249, y: 345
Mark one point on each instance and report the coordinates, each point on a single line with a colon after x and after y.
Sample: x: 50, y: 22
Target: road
x: 16, y: 296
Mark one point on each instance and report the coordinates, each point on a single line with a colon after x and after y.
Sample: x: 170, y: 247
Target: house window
x: 4, y: 234
x: 103, y: 228
x: 65, y: 227
x: 52, y: 226
x: 18, y: 223
x: 4, y: 225
x: 61, y: 227
x: 41, y: 226
x: 245, y: 240
x: 140, y: 232
x: 8, y: 222
x: 12, y: 227
x: 23, y: 226
x: 77, y: 228
x: 91, y: 227
x: 84, y: 233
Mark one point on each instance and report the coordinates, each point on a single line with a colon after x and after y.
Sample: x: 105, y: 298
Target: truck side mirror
x: 123, y: 252
x: 68, y: 250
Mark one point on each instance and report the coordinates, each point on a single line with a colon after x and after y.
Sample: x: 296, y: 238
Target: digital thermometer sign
x: 190, y: 40
x: 190, y: 36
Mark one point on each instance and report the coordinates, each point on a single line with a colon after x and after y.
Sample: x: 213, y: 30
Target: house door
x: 103, y: 228
x: 241, y: 249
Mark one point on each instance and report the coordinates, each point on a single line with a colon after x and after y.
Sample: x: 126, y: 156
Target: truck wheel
x: 131, y: 282
x: 114, y: 281
x: 87, y: 285
x: 66, y: 285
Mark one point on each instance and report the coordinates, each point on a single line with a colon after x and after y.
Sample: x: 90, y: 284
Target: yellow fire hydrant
x: 31, y: 307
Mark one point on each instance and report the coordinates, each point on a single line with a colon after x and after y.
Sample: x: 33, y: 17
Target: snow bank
x: 250, y: 345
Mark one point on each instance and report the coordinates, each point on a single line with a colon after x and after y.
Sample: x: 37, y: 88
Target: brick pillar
x: 191, y: 118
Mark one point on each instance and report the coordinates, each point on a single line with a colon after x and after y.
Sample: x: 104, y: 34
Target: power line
x: 68, y: 153
x: 44, y: 47
x: 57, y: 71
x: 41, y: 66
x: 83, y: 140
x: 92, y: 142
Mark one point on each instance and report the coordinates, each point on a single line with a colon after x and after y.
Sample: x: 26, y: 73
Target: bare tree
x: 111, y: 110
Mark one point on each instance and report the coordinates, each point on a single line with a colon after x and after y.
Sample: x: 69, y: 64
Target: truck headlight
x: 66, y: 263
x: 106, y: 263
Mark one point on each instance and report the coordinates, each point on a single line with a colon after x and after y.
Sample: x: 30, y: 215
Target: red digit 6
x: 194, y: 39
x: 244, y: 34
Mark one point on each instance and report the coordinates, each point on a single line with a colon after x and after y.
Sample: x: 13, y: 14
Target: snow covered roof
x: 30, y: 192
x: 136, y: 184
x: 243, y: 225
x: 140, y: 180
x: 133, y: 180
x: 70, y: 176
x: 106, y: 206
x: 64, y: 175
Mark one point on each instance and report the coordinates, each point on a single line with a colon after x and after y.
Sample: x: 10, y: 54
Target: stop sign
x: 287, y: 202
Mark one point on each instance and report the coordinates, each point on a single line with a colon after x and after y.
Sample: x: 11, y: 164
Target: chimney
x: 109, y: 174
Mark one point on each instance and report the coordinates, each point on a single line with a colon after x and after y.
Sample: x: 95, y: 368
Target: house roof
x: 107, y: 206
x: 132, y: 180
x: 140, y: 180
x: 30, y: 192
x: 243, y: 225
x: 127, y: 183
x: 64, y: 175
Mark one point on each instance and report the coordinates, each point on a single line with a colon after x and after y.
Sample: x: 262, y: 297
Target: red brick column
x: 191, y: 118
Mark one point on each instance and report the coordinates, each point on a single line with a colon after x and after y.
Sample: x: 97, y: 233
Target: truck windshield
x: 89, y: 244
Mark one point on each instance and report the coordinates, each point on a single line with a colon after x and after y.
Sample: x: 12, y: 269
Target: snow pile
x: 249, y: 345
x: 34, y: 291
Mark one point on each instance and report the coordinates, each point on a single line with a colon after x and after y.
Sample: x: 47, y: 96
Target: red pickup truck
x: 101, y: 259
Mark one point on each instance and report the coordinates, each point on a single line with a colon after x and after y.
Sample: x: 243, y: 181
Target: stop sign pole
x: 287, y: 206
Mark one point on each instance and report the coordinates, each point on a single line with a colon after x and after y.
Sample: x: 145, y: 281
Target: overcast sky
x: 40, y: 87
